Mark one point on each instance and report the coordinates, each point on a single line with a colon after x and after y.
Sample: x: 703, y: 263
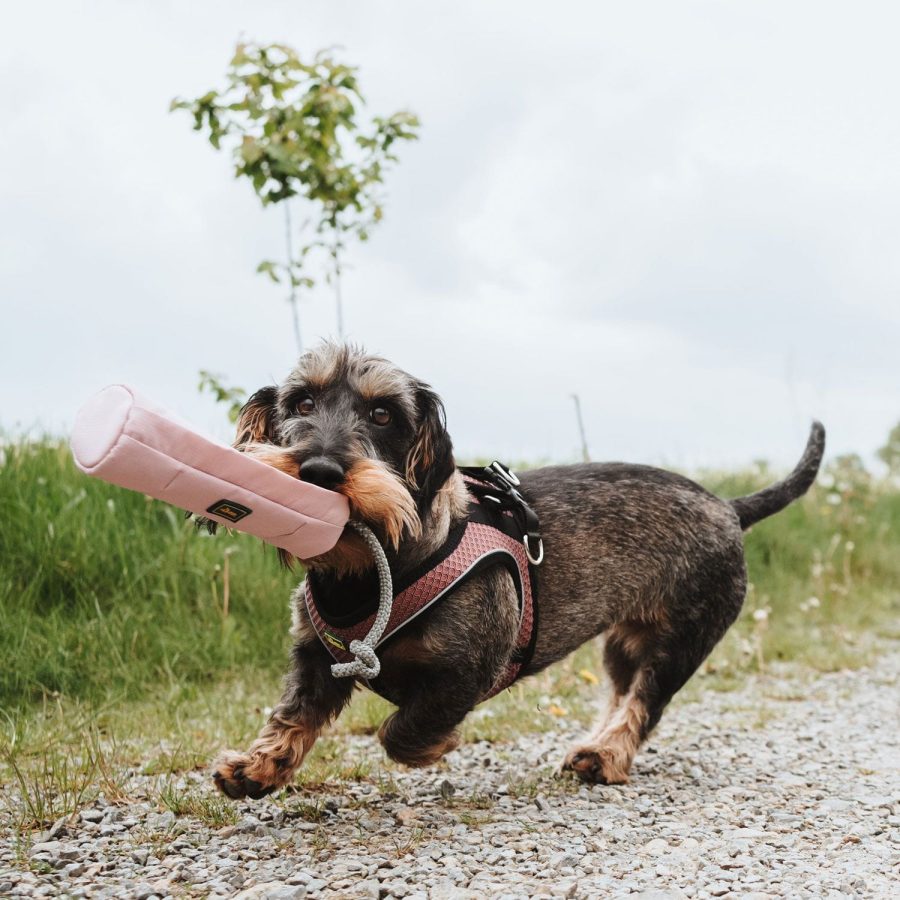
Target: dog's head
x: 355, y: 423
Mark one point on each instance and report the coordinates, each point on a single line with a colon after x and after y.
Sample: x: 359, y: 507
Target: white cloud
x: 688, y: 213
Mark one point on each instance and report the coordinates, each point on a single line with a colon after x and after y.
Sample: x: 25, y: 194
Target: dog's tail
x: 773, y: 499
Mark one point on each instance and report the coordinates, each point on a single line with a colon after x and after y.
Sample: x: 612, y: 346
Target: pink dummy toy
x: 123, y: 438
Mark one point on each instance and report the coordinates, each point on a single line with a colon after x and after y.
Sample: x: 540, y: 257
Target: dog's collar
x: 500, y: 529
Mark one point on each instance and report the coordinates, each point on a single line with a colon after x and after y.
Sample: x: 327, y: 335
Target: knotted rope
x: 367, y: 664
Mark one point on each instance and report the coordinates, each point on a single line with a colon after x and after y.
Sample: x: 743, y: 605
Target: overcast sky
x: 689, y: 213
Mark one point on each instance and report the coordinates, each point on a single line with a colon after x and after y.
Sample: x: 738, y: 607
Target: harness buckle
x: 540, y: 552
x: 505, y: 473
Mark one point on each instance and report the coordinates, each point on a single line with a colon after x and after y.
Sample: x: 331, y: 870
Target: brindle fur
x: 645, y: 557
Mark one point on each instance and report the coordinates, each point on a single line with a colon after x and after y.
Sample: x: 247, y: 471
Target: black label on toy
x: 230, y: 510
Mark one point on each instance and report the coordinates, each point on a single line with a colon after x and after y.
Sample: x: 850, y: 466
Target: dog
x: 645, y: 557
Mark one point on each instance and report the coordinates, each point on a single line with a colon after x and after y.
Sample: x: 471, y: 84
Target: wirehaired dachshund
x: 647, y: 558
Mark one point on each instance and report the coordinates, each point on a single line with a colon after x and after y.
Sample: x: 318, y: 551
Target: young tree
x: 293, y: 129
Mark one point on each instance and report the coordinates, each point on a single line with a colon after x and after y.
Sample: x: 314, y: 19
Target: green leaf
x: 250, y: 149
x: 269, y: 268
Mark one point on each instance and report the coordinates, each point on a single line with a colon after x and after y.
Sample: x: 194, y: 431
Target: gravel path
x: 785, y: 787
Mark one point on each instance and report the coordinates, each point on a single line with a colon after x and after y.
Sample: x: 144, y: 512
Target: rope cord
x: 367, y: 664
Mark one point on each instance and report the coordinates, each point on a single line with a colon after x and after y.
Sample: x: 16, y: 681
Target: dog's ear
x: 429, y: 462
x: 256, y: 422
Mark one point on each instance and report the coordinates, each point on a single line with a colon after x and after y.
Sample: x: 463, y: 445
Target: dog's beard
x: 377, y: 496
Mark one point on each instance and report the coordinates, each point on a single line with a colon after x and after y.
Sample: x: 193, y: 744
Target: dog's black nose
x: 322, y: 471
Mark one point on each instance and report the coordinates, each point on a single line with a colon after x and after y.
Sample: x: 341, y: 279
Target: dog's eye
x: 306, y: 406
x: 380, y: 415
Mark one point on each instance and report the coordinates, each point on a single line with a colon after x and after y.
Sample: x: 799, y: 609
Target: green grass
x: 824, y: 573
x: 212, y: 809
x: 105, y: 593
x: 121, y: 652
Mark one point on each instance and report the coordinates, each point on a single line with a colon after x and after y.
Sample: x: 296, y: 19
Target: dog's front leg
x: 312, y: 697
x: 424, y: 726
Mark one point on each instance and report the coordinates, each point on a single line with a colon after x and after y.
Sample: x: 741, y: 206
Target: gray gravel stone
x: 272, y: 890
x: 741, y: 794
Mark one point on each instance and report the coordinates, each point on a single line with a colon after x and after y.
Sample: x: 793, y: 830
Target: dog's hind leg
x: 648, y: 662
x: 607, y: 752
x: 312, y: 697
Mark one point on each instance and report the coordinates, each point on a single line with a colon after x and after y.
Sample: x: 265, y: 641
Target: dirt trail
x: 785, y: 787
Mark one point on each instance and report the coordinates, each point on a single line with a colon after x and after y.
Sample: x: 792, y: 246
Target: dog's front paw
x: 239, y: 775
x: 416, y: 755
x: 596, y: 765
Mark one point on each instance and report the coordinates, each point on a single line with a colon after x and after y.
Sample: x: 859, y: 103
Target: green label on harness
x: 334, y: 640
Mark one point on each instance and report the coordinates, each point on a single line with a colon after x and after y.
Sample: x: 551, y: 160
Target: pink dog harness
x: 496, y: 532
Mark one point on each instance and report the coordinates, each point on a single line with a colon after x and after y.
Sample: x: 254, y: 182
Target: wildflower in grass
x: 761, y: 618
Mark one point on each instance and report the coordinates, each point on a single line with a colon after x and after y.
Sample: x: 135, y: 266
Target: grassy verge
x: 131, y: 643
x: 105, y: 593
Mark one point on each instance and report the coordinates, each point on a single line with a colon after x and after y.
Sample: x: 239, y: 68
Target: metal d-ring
x: 540, y: 556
